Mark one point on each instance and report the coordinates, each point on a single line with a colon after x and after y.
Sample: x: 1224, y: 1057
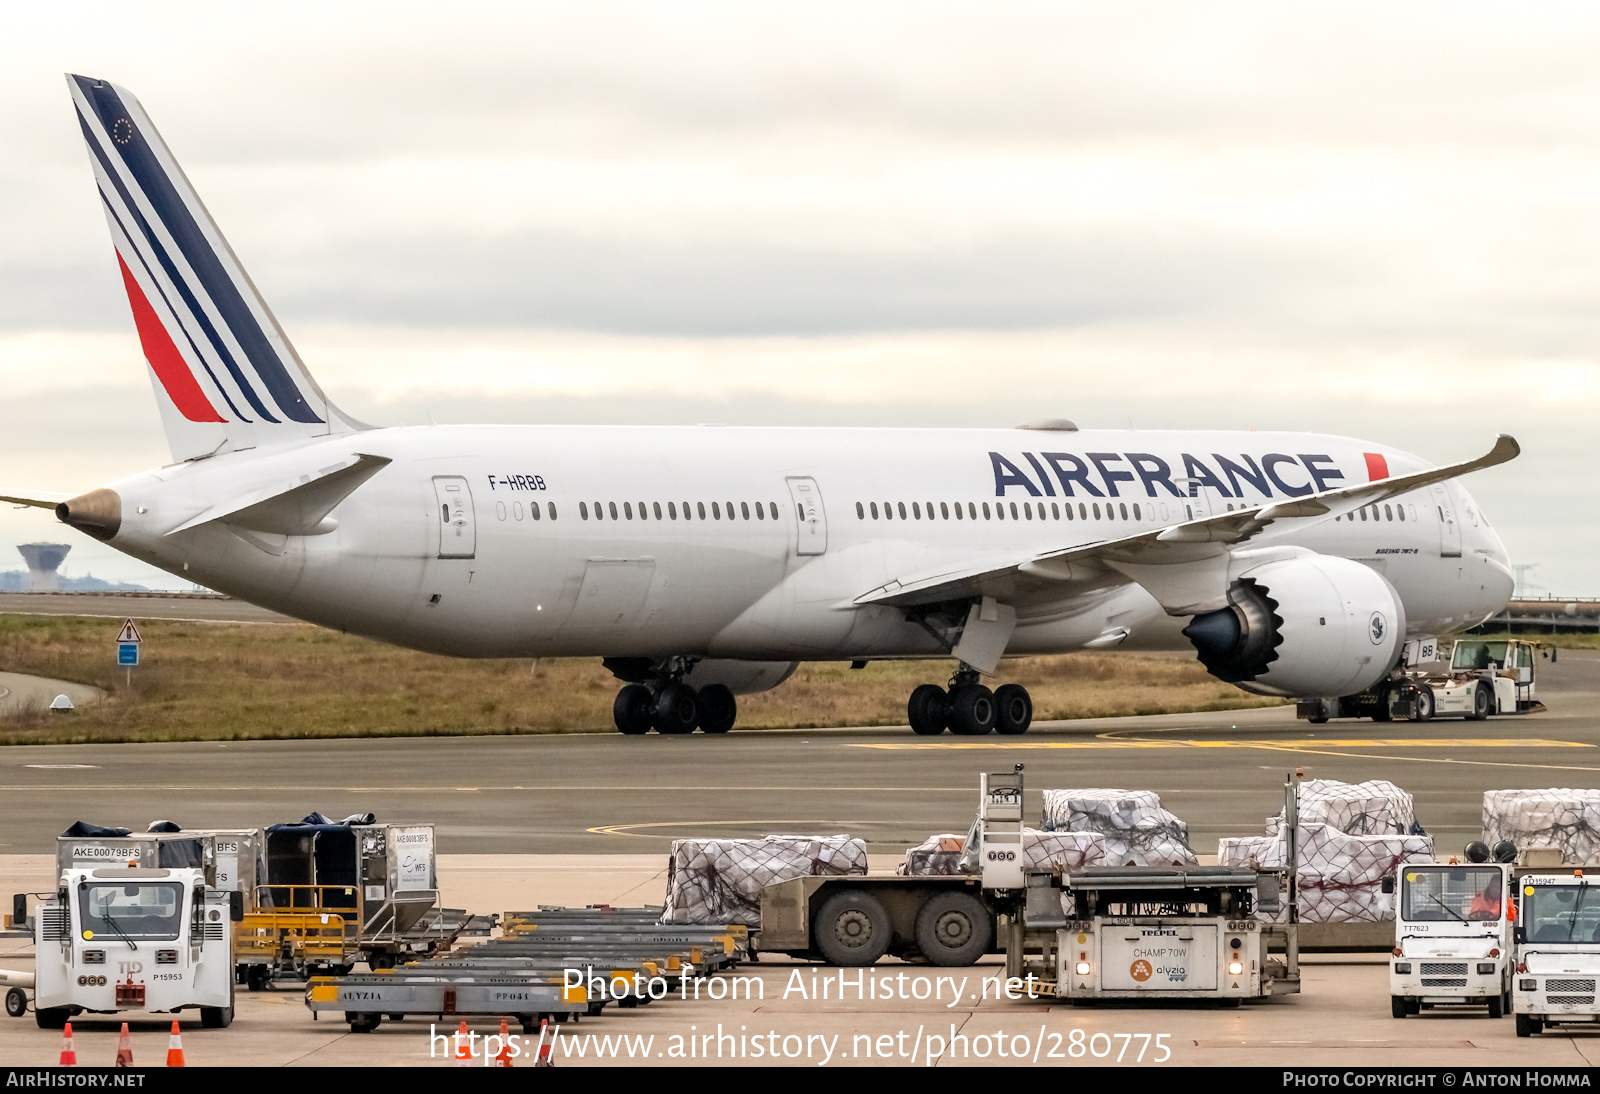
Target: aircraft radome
x: 705, y: 562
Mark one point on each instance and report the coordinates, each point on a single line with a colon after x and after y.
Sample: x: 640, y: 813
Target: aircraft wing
x: 41, y: 499
x: 1183, y: 565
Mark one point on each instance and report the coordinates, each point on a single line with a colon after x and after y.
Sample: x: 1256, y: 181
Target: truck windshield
x: 1560, y: 914
x: 137, y: 911
x: 1461, y: 894
x: 1479, y: 655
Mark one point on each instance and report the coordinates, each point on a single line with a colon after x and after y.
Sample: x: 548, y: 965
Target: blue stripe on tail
x: 197, y: 250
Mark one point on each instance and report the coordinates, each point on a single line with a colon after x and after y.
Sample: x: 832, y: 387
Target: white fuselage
x: 620, y: 561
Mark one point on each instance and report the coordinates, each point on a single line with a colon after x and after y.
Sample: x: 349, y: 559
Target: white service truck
x: 117, y: 940
x: 1453, y: 938
x: 1481, y: 677
x: 1557, y: 951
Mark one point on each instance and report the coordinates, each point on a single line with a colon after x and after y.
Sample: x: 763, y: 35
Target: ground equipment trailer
x: 1557, y: 951
x: 1481, y: 678
x: 120, y: 940
x: 1453, y: 937
x: 1155, y: 932
x: 554, y: 963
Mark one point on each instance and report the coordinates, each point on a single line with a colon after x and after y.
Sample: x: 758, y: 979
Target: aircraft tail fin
x: 224, y: 373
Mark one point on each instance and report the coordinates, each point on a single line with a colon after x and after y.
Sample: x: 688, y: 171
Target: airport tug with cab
x: 1481, y: 677
x: 125, y: 940
x: 1557, y: 951
x: 1453, y: 934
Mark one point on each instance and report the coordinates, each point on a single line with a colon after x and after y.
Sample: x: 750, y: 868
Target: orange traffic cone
x: 463, y: 1053
x: 124, y: 1049
x: 503, y: 1057
x: 545, y: 1058
x: 69, y: 1055
x: 174, y: 1047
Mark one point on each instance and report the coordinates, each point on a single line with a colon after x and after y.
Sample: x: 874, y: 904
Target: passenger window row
x: 516, y: 510
x: 767, y: 510
x: 1389, y: 512
x: 945, y: 510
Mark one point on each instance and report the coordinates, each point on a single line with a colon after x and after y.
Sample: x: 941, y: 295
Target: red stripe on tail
x: 1377, y: 466
x: 170, y: 367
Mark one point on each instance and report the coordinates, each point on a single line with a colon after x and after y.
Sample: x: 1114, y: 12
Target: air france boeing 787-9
x: 705, y: 562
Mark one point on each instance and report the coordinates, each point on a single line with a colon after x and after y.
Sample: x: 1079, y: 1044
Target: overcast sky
x: 1369, y: 219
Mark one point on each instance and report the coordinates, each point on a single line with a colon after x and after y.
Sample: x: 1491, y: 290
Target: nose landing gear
x: 674, y: 709
x: 969, y: 709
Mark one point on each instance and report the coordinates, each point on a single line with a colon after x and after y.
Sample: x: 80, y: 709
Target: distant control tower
x: 44, y: 559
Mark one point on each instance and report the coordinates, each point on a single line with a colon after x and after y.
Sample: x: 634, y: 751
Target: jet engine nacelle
x: 1313, y: 625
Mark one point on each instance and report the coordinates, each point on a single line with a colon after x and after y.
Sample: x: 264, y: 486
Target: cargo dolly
x: 529, y: 971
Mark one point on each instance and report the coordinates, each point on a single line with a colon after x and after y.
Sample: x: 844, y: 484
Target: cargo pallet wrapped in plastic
x: 1341, y: 876
x: 720, y: 880
x: 1565, y: 819
x: 1137, y: 831
x: 1374, y: 808
x: 940, y: 856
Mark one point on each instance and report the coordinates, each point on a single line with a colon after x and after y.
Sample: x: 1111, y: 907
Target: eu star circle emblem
x: 122, y: 131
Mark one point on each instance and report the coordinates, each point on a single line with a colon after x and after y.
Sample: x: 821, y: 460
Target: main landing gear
x: 674, y: 708
x: 969, y: 709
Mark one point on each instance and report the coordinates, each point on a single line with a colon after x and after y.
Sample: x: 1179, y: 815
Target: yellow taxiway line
x: 1297, y: 743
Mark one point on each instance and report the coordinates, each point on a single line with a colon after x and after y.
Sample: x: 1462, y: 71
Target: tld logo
x: 127, y: 968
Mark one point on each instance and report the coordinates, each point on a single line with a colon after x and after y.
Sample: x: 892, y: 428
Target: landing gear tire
x: 853, y: 929
x: 1482, y: 703
x: 1422, y: 704
x: 972, y: 710
x: 676, y: 711
x: 718, y: 708
x: 954, y: 929
x: 1528, y: 1025
x: 633, y: 709
x: 927, y: 710
x: 1013, y: 709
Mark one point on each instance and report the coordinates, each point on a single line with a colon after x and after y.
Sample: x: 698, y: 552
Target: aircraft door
x: 458, y: 531
x: 811, y: 523
x: 1449, y: 530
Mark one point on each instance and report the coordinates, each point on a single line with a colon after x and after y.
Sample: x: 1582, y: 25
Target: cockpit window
x: 1459, y: 894
x: 1479, y: 655
x: 1561, y: 914
x: 137, y: 910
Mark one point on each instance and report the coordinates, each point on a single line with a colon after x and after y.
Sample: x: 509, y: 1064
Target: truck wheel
x: 256, y: 977
x: 1482, y: 703
x: 1527, y: 1025
x: 1422, y: 704
x: 362, y: 1023
x: 216, y: 1017
x: 1397, y: 1006
x: 954, y: 929
x: 16, y: 1003
x: 1495, y: 1005
x: 52, y: 1017
x: 852, y: 928
x: 377, y: 961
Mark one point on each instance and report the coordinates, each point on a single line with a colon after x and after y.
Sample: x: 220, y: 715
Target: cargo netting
x: 1373, y: 808
x: 720, y: 880
x: 1136, y: 830
x: 1566, y: 819
x: 940, y: 856
x: 1341, y: 875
